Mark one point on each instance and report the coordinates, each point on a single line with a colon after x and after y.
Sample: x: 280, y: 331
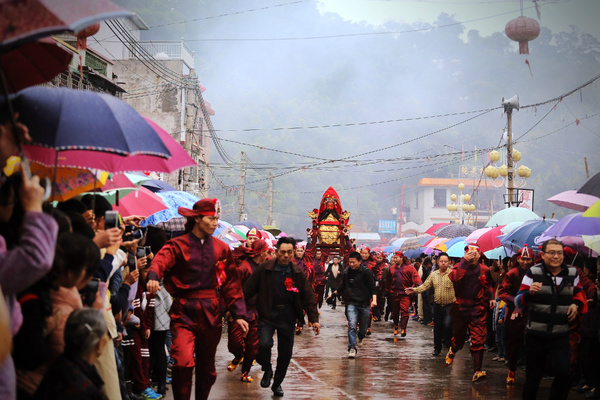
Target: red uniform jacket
x: 190, y: 267
x: 473, y: 284
x: 398, y: 278
x: 510, y: 287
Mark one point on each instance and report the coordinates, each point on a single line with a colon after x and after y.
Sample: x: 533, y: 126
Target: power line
x: 229, y: 14
x: 344, y: 35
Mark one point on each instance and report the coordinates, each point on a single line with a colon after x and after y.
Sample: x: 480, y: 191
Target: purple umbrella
x: 570, y: 228
x: 573, y: 200
x: 66, y: 119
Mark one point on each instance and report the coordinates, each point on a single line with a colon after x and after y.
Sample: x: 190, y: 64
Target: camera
x: 88, y: 293
x: 140, y: 252
x: 132, y: 233
x: 111, y: 219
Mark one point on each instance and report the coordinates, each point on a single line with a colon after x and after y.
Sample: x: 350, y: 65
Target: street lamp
x: 506, y: 172
x: 460, y: 206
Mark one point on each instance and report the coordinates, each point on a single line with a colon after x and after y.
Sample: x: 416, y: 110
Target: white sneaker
x: 360, y: 342
x: 352, y: 353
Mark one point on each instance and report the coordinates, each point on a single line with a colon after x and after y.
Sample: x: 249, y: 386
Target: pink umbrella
x: 140, y: 202
x: 472, y: 238
x: 573, y: 200
x: 436, y: 242
x: 115, y: 163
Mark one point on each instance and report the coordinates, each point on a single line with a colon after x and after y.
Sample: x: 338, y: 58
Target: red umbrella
x: 22, y: 21
x: 489, y: 240
x: 435, y: 227
x: 140, y: 202
x: 34, y: 63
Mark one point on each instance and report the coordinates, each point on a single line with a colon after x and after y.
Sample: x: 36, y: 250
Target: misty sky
x: 406, y: 100
x: 486, y: 16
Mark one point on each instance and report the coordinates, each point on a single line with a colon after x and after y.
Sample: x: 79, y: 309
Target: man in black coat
x: 282, y: 293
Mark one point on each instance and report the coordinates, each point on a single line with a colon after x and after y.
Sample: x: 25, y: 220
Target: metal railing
x: 168, y: 50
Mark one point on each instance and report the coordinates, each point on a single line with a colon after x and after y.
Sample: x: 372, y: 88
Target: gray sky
x: 556, y: 15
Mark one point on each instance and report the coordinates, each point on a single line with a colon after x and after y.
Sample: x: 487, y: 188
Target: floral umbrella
x: 173, y: 200
x: 69, y: 182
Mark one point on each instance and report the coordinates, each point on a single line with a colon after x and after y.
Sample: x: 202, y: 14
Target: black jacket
x: 361, y: 289
x: 262, y: 283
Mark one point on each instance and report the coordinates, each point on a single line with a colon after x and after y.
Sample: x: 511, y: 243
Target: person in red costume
x: 377, y: 270
x: 399, y: 277
x: 303, y: 257
x: 474, y: 289
x: 515, y: 319
x: 199, y: 273
x: 318, y: 268
x: 239, y: 253
x: 242, y: 346
x: 367, y: 260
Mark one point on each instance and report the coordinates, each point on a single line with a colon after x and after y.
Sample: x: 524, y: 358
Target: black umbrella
x: 454, y: 230
x: 592, y: 186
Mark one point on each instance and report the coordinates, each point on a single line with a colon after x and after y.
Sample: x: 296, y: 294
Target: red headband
x: 399, y: 254
x: 204, y: 207
x: 257, y: 247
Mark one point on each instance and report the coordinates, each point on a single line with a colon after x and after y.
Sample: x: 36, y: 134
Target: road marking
x: 313, y: 377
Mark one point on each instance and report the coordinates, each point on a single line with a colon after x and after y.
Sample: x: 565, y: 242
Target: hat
x: 254, y: 232
x: 399, y: 253
x: 204, y: 207
x: 525, y: 252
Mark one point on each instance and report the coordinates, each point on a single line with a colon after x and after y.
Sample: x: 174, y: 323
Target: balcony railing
x: 168, y: 50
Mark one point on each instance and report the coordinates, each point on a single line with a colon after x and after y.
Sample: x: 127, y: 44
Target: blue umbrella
x: 398, y: 242
x: 66, y: 119
x: 156, y: 185
x: 389, y: 248
x: 172, y: 200
x: 413, y: 253
x: 457, y: 250
x: 453, y: 241
x: 495, y: 253
x: 527, y: 233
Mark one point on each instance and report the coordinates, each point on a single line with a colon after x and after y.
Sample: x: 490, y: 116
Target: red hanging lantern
x: 522, y: 30
x: 82, y: 42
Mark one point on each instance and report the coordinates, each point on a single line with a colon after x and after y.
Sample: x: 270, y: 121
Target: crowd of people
x: 105, y: 312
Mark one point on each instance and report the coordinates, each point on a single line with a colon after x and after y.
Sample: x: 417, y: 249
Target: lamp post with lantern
x: 506, y: 172
x: 460, y: 206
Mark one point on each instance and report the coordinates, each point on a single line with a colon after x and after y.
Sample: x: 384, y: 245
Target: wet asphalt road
x: 385, y: 368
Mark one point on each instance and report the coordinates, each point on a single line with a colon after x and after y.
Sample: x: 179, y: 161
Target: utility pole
x: 509, y: 104
x: 242, y: 187
x: 270, y: 216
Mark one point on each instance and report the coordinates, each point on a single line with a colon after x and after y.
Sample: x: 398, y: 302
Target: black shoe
x: 436, y: 353
x: 333, y: 307
x: 266, y: 379
x: 278, y: 391
x: 162, y: 389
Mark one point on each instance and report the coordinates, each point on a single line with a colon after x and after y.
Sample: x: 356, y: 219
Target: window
x: 417, y: 201
x: 439, y: 197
